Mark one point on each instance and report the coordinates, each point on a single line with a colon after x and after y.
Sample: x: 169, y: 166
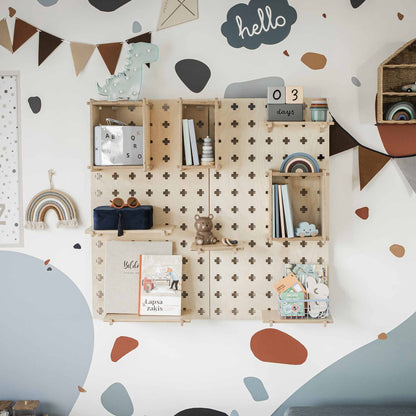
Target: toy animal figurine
x: 306, y: 230
x: 203, y: 226
x: 127, y: 84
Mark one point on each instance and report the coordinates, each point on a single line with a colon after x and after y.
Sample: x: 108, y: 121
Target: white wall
x: 203, y: 364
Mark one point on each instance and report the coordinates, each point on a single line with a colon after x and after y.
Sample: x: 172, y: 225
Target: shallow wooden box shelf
x: 309, y: 196
x: 216, y: 247
x: 130, y: 112
x: 322, y: 125
x: 118, y: 317
x: 273, y: 317
x: 160, y: 231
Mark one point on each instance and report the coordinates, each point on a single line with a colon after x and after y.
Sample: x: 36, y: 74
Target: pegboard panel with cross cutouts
x: 217, y: 284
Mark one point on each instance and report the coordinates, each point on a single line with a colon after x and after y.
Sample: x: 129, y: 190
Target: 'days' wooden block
x: 276, y: 95
x: 294, y: 95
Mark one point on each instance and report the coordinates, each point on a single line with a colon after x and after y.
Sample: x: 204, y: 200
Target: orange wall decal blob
x: 122, y: 346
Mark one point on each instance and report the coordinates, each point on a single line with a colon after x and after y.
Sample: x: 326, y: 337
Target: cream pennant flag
x: 408, y: 167
x: 81, y: 53
x: 5, y: 39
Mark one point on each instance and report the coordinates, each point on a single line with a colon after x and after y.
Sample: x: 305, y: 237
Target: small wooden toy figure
x: 203, y: 226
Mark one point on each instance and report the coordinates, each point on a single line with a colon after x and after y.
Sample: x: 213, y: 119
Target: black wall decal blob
x: 259, y: 21
x: 35, y: 104
x: 194, y: 74
x: 108, y: 5
x: 77, y: 246
x: 200, y: 412
x: 357, y: 3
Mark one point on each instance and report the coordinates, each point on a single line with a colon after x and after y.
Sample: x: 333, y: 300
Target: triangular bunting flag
x: 145, y: 37
x: 174, y: 12
x: 110, y: 53
x: 81, y: 53
x: 408, y: 167
x: 370, y: 163
x: 47, y: 44
x: 5, y: 40
x: 340, y: 140
x: 22, y: 32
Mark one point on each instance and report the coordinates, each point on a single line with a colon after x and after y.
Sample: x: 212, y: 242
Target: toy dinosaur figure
x: 127, y: 84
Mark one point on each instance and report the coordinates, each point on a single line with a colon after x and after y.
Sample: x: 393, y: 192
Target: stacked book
x: 282, y: 212
x: 189, y: 143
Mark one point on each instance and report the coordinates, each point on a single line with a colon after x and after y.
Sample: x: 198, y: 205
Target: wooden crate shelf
x: 216, y: 247
x: 120, y: 317
x: 322, y: 125
x: 155, y: 232
x: 273, y: 317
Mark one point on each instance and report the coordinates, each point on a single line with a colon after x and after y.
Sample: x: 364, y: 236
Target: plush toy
x: 317, y: 292
x: 203, y: 226
x: 306, y: 230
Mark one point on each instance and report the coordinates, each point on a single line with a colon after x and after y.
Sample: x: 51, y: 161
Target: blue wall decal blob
x: 48, y: 3
x: 194, y: 74
x: 35, y: 104
x: 357, y: 3
x: 255, y: 88
x: 49, y: 334
x: 256, y: 388
x: 200, y: 412
x: 137, y: 27
x: 356, y: 81
x: 234, y: 413
x: 117, y: 401
x: 259, y: 21
x: 108, y: 5
x: 382, y: 372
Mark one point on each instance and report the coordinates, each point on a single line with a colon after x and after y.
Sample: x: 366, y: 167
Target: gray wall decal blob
x: 193, y: 73
x: 108, y: 5
x: 255, y: 88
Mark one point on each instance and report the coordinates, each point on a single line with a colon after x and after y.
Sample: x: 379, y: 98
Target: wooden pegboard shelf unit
x: 216, y: 247
x: 135, y: 113
x: 155, y: 232
x: 272, y: 316
x: 118, y: 317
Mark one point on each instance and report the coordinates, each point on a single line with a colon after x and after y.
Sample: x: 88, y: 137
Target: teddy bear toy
x: 203, y: 226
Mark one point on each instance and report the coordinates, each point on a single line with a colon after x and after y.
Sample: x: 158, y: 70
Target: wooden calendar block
x: 294, y: 95
x: 276, y: 95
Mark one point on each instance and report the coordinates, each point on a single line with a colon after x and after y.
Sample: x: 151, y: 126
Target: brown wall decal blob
x: 314, y: 60
x: 285, y: 52
x: 46, y: 262
x: 324, y: 15
x: 362, y: 212
x: 81, y: 390
x: 122, y: 346
x: 400, y: 16
x: 382, y: 336
x: 397, y: 250
x: 398, y: 140
x: 12, y: 11
x: 274, y: 346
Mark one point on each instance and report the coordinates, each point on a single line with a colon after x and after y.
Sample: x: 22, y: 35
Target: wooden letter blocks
x: 294, y: 95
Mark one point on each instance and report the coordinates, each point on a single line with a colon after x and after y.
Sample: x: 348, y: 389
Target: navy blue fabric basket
x: 126, y: 218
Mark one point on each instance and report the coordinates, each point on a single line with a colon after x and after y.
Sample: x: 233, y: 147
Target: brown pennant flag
x: 145, y: 37
x: 340, y: 140
x: 5, y: 40
x: 81, y: 53
x: 47, y: 44
x: 110, y: 53
x: 22, y: 32
x: 370, y: 163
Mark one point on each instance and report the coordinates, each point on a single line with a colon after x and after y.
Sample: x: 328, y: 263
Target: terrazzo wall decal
x: 35, y: 104
x: 116, y: 400
x: 356, y: 81
x: 374, y: 365
x: 193, y: 73
x: 256, y: 388
x: 81, y: 389
x: 383, y: 336
x: 50, y: 353
x: 137, y: 27
x: 397, y: 250
x: 48, y: 3
x: 400, y: 16
x: 175, y: 12
x: 122, y: 346
x: 200, y: 411
x: 363, y: 213
x: 77, y: 246
x: 357, y: 3
x: 314, y: 60
x: 5, y: 40
x: 340, y: 140
x: 258, y: 22
x: 324, y: 15
x: 274, y: 346
x: 12, y: 12
x: 407, y: 165
x: 11, y: 213
x: 47, y: 44
x: 255, y: 88
x: 398, y: 140
x: 286, y: 53
x: 370, y: 163
x: 46, y: 262
x: 108, y: 5
x: 22, y: 33
x: 234, y: 413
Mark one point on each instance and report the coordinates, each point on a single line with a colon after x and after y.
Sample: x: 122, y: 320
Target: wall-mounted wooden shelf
x: 216, y: 247
x: 119, y: 317
x: 400, y: 94
x: 322, y: 125
x: 155, y: 232
x: 273, y: 317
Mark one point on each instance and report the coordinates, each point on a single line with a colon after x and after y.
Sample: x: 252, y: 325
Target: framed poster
x: 11, y: 215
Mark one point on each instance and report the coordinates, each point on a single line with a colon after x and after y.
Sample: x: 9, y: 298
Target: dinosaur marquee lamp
x: 127, y: 84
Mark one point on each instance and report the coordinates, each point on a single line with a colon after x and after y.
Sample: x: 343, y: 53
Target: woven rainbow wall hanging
x: 50, y: 199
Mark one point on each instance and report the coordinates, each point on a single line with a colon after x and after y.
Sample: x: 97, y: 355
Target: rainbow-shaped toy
x: 299, y: 162
x: 50, y: 199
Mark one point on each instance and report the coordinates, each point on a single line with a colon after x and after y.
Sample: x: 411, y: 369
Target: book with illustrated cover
x: 160, y: 285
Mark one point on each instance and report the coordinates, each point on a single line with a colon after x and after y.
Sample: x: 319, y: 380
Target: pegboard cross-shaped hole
x: 165, y: 124
x: 234, y: 141
x: 234, y: 311
x: 115, y: 176
x: 234, y: 175
x: 234, y: 226
x: 132, y: 175
x: 269, y: 294
x: 234, y: 277
x: 251, y: 175
x: 303, y: 140
x: 251, y: 311
x: 269, y: 158
x: 251, y: 123
x: 251, y: 243
x: 269, y: 141
x: 201, y: 294
x: 115, y: 192
x: 234, y: 294
x: 217, y: 311
x: 185, y: 294
x: 252, y: 158
x: 217, y: 209
x: 303, y: 192
x: 166, y: 141
x: 165, y: 107
x: 234, y: 106
x: 321, y: 157
x: 234, y: 158
x: 251, y: 106
x: 200, y: 175
x: 217, y: 294
x: 252, y: 277
x: 166, y: 158
x: 201, y: 277
x: 183, y: 226
x: 252, y: 294
x: 269, y: 277
x: 252, y: 140
x: 303, y: 209
x: 321, y: 140
x: 217, y: 175
x: 286, y: 260
x: 303, y: 243
x: 217, y: 277
x: 201, y: 311
x: 234, y: 123
x: 234, y: 209
x: 252, y: 192
x: 132, y: 192
x: 184, y: 277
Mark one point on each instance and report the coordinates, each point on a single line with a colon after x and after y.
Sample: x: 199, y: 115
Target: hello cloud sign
x: 259, y: 21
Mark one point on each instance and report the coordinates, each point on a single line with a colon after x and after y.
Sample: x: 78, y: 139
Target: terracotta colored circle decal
x: 122, y: 346
x: 314, y: 60
x: 400, y: 16
x: 382, y: 336
x: 274, y: 346
x: 397, y: 250
x: 363, y: 212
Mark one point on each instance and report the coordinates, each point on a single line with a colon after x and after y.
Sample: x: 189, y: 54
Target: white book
x: 186, y: 142
x: 194, y: 146
x: 287, y: 207
x: 121, y: 280
x: 281, y: 214
x: 274, y: 211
